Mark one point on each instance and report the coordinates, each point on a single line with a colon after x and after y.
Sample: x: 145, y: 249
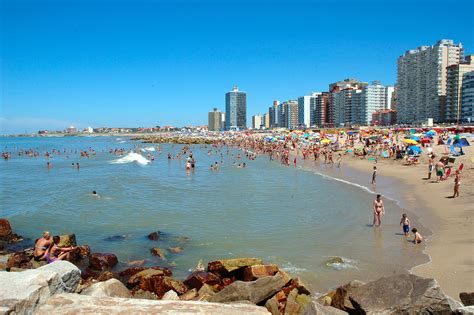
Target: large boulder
x: 466, y: 310
x: 253, y: 291
x: 401, y: 294
x: 83, y: 304
x: 198, y: 278
x: 22, y: 292
x: 258, y: 271
x: 226, y: 266
x: 340, y: 299
x: 467, y: 298
x: 102, y: 261
x: 110, y: 288
x: 129, y: 272
x: 5, y: 228
x: 67, y: 240
x: 20, y: 260
x: 155, y: 281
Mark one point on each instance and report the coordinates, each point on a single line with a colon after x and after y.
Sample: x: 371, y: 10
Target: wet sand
x: 451, y: 245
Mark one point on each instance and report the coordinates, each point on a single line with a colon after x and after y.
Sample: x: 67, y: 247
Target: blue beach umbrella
x: 414, y: 149
x: 415, y: 138
x: 462, y: 142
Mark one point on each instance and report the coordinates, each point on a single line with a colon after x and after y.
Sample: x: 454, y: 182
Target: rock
x: 253, y: 291
x: 27, y: 289
x: 136, y: 262
x: 198, y: 278
x: 67, y: 240
x: 190, y: 295
x: 340, y: 299
x: 297, y: 283
x: 157, y: 252
x: 147, y: 295
x: 466, y: 310
x: 155, y: 281
x: 111, y: 288
x: 20, y: 260
x: 84, y: 251
x: 467, y: 298
x: 317, y: 309
x: 147, y: 273
x: 115, y: 238
x: 326, y: 300
x: 175, y: 250
x: 5, y: 228
x: 258, y: 271
x: 102, y: 261
x: 408, y: 294
x: 170, y: 296
x: 129, y: 272
x: 206, y: 292
x: 154, y: 236
x: 334, y: 260
x: 106, y: 275
x: 226, y: 266
x: 78, y: 303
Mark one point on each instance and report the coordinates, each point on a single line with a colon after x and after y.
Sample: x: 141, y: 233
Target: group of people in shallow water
x: 47, y: 249
x: 379, y: 211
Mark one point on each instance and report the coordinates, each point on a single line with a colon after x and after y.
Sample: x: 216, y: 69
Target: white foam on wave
x: 346, y: 264
x: 292, y: 269
x: 148, y: 149
x: 130, y: 158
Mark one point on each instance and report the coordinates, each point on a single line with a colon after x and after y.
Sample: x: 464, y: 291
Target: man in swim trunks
x: 379, y: 211
x: 41, y: 245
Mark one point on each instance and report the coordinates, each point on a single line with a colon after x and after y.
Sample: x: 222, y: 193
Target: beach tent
x: 461, y: 142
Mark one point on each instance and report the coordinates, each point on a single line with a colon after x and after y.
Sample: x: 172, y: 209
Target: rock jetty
x: 94, y: 283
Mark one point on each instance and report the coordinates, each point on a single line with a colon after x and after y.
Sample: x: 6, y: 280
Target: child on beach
x: 405, y: 222
x: 457, y: 184
x: 418, y: 238
x: 374, y: 175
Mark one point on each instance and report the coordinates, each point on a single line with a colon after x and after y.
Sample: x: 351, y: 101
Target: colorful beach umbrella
x: 325, y: 141
x: 410, y: 141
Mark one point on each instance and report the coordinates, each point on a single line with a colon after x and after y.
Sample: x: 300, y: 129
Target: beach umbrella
x: 415, y: 138
x: 410, y: 141
x: 431, y: 132
x: 325, y: 141
x: 414, y: 149
x: 426, y: 140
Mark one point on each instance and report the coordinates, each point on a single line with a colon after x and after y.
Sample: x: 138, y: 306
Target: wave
x: 131, y: 157
x: 345, y: 264
x: 149, y: 149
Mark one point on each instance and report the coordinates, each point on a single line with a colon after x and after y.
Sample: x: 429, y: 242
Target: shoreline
x: 450, y: 234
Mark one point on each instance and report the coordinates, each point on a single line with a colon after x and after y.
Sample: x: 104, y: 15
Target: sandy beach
x: 451, y: 244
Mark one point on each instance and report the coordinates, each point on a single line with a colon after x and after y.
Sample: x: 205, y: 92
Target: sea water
x: 293, y: 217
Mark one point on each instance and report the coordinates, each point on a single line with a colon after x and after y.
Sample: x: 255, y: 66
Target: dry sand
x: 451, y: 246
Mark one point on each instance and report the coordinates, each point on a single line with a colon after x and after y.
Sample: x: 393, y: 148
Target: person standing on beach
x: 457, y: 183
x: 405, y: 222
x: 339, y: 159
x: 374, y: 175
x: 379, y: 211
x: 430, y: 165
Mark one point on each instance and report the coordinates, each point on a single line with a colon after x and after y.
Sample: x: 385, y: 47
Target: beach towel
x: 453, y: 151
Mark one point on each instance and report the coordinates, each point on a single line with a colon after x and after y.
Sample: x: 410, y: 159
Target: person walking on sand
x: 457, y: 183
x: 374, y: 175
x: 431, y: 165
x: 379, y: 211
x: 339, y: 160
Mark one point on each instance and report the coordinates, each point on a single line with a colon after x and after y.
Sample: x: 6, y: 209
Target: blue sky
x: 147, y: 63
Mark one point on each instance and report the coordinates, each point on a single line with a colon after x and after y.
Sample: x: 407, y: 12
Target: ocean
x: 290, y: 216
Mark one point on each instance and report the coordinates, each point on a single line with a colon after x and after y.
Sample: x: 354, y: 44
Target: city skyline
x: 78, y: 63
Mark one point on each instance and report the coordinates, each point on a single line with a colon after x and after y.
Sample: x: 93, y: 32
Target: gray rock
x: 253, y: 291
x: 466, y: 310
x: 401, y: 294
x: 170, y: 296
x: 317, y: 309
x: 110, y: 288
x: 22, y: 292
x: 84, y: 304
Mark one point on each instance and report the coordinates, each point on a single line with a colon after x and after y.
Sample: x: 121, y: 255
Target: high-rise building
x: 235, y: 109
x: 306, y: 107
x: 257, y: 121
x: 467, y: 99
x: 291, y: 114
x: 421, y: 81
x: 453, y: 89
x: 373, y: 98
x: 282, y: 116
x: 215, y: 122
x: 319, y: 110
x: 357, y: 109
x: 339, y: 102
x: 266, y: 120
x: 274, y: 114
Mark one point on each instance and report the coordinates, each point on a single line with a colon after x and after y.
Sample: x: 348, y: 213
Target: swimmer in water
x: 95, y: 194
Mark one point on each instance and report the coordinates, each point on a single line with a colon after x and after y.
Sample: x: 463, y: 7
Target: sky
x: 147, y: 63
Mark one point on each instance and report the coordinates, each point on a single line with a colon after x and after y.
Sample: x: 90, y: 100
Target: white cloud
x: 17, y: 125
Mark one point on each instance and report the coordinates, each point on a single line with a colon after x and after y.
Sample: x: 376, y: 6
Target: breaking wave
x: 131, y: 157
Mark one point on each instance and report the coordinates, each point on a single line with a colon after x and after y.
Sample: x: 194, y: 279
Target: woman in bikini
x: 379, y: 210
x: 41, y: 246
